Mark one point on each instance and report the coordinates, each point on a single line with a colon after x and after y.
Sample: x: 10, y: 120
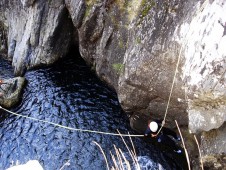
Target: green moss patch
x: 118, y: 67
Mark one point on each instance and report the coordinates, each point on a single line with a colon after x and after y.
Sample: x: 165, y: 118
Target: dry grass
x: 120, y: 162
x: 185, y: 149
x: 200, y: 156
x: 105, y: 158
x: 186, y: 153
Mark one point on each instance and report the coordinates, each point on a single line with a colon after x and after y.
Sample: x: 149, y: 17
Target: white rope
x: 69, y: 128
x: 171, y: 90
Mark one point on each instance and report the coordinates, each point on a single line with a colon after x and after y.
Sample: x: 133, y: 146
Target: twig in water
x: 199, y: 152
x: 186, y: 152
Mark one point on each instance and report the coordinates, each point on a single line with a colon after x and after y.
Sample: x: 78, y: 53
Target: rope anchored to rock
x: 69, y: 128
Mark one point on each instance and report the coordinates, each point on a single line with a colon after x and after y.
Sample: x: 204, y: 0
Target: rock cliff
x: 136, y: 46
x: 39, y: 32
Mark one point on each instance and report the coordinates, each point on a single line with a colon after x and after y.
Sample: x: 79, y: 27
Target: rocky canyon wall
x: 135, y: 46
x: 39, y: 32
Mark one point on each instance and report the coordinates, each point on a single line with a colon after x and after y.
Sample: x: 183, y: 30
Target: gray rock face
x: 76, y: 10
x: 3, y: 39
x: 213, y: 147
x: 10, y: 91
x: 135, y: 46
x: 214, y: 138
x: 124, y: 43
x: 27, y: 3
x: 204, y: 67
x: 39, y: 32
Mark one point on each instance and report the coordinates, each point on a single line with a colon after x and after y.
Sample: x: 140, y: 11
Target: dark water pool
x: 69, y: 94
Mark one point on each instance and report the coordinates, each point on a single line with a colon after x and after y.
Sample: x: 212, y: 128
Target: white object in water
x: 30, y: 165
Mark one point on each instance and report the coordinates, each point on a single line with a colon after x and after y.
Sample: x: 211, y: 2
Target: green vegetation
x: 138, y: 40
x: 133, y: 9
x: 89, y: 5
x: 146, y: 6
x: 121, y: 44
x: 142, y: 7
x: 118, y: 67
x: 122, y: 3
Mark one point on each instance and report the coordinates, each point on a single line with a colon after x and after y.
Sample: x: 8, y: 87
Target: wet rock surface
x: 10, y: 91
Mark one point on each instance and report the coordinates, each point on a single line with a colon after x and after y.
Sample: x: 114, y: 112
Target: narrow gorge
x: 139, y: 48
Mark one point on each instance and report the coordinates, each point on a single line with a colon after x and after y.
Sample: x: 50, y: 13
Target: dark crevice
x: 3, y: 39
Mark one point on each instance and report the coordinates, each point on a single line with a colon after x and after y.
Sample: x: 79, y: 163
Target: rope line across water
x: 69, y: 128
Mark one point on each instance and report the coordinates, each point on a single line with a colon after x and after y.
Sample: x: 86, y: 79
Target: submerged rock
x: 10, y: 91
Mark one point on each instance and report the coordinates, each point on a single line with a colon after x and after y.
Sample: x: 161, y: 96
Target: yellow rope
x: 69, y: 128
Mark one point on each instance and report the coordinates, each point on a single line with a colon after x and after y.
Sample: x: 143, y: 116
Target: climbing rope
x: 69, y: 128
x: 176, y: 69
x: 171, y: 90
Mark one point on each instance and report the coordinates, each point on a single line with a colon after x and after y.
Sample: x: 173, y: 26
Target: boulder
x: 10, y: 91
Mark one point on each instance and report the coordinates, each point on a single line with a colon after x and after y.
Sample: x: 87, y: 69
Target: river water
x: 68, y: 93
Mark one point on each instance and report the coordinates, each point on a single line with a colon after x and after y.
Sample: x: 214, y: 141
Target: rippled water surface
x: 69, y: 94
